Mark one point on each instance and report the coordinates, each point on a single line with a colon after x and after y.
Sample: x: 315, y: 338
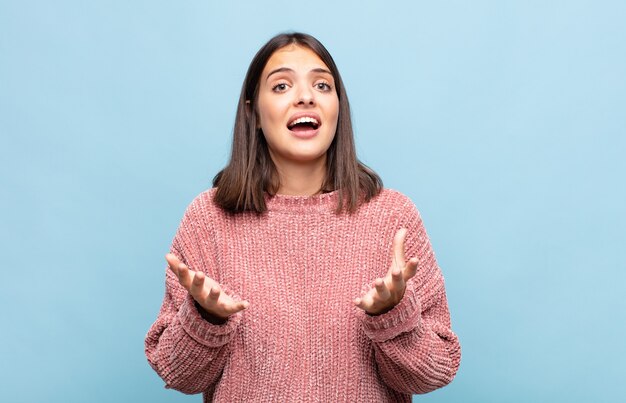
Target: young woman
x: 298, y: 277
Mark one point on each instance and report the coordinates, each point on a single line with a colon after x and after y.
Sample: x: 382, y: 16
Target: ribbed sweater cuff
x: 203, y: 331
x: 402, y: 318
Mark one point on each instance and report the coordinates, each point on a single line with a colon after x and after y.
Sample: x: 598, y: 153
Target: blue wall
x: 503, y: 120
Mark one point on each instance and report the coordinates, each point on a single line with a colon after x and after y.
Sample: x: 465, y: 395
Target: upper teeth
x: 305, y: 119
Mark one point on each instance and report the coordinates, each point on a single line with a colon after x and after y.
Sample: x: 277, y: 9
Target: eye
x: 323, y: 86
x: 280, y: 87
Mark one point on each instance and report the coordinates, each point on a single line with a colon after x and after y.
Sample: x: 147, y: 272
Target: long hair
x: 250, y: 173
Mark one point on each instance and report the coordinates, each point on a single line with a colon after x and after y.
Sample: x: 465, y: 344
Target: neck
x: 301, y: 179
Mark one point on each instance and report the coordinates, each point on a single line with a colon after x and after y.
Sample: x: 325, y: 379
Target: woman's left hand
x: 388, y: 291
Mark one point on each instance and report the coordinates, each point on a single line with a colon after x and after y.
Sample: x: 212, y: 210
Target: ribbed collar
x: 325, y: 202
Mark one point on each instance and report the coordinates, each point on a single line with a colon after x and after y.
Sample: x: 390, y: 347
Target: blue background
x: 504, y: 121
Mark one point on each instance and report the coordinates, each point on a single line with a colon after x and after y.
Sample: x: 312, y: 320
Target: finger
x: 210, y: 301
x: 360, y: 302
x: 236, y: 307
x: 214, y: 295
x: 410, y: 268
x: 397, y: 279
x: 197, y: 285
x: 398, y: 247
x: 382, y: 290
x: 184, y: 277
x: 366, y: 301
x: 172, y: 262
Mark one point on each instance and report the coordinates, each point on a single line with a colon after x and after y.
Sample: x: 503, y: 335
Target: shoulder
x: 204, y: 200
x: 202, y: 207
x: 393, y: 196
x: 394, y: 202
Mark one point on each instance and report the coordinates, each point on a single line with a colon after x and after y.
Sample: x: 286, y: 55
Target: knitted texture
x: 300, y: 266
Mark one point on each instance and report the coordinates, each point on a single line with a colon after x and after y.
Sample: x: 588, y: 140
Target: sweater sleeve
x: 186, y: 351
x: 415, y: 348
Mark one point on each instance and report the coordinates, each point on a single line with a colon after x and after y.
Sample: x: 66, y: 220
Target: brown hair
x: 251, y: 172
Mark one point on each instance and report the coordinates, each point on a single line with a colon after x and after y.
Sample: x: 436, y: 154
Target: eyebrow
x: 287, y: 69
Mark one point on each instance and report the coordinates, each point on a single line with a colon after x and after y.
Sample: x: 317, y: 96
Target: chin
x: 303, y: 156
x: 307, y: 158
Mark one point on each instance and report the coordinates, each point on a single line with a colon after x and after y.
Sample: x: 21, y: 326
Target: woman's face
x: 297, y: 106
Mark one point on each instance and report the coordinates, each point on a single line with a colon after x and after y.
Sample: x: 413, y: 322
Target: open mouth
x: 303, y: 124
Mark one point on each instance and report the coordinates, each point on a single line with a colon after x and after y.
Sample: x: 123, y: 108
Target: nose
x: 305, y: 96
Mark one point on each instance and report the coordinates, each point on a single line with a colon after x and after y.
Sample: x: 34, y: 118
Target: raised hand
x: 388, y: 291
x: 206, y: 291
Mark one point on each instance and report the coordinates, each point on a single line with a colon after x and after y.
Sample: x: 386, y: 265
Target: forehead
x: 295, y: 57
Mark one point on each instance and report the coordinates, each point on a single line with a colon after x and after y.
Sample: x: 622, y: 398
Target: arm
x: 415, y: 348
x: 187, y: 351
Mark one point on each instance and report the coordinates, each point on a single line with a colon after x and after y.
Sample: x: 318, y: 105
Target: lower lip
x: 305, y: 134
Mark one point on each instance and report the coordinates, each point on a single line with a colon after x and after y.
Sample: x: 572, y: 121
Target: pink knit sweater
x: 300, y: 266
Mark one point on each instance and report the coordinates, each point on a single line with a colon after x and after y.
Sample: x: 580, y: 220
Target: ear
x: 256, y: 115
x: 248, y: 108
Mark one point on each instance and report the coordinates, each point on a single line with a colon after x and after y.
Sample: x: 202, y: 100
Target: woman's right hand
x: 204, y: 290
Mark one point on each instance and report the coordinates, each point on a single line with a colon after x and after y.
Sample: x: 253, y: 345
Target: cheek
x: 335, y: 118
x: 268, y: 116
